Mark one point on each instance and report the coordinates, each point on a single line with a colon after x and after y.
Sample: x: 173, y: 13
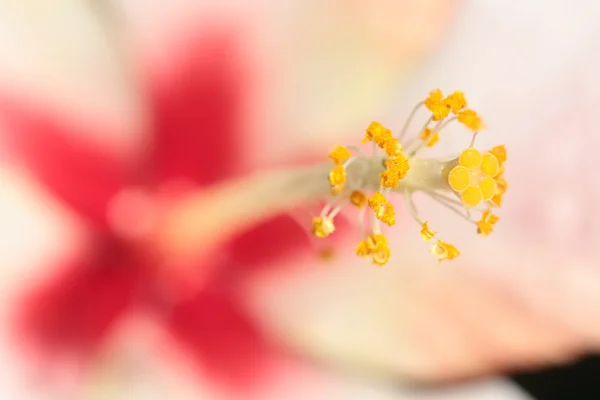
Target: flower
x: 473, y: 178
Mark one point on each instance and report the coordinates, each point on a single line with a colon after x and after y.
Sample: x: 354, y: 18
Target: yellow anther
x: 436, y: 105
x: 471, y: 120
x: 392, y: 147
x: 425, y: 134
x: 490, y: 165
x: 375, y: 246
x: 377, y: 199
x: 497, y: 200
x: 389, y: 215
x: 444, y: 251
x: 377, y: 241
x: 362, y: 249
x: 470, y: 158
x: 339, y: 155
x: 337, y: 176
x: 426, y: 233
x: 378, y: 134
x: 390, y: 179
x: 472, y: 196
x: 399, y: 165
x: 383, y: 209
x: 358, y: 198
x: 500, y: 153
x: 459, y: 178
x: 322, y: 226
x: 397, y: 168
x: 501, y: 186
x: 381, y: 256
x: 434, y: 139
x: 488, y: 188
x: 456, y: 101
x: 485, y: 225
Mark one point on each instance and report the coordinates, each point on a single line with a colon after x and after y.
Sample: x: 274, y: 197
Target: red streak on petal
x: 216, y: 332
x: 276, y: 239
x: 72, y: 312
x: 81, y: 173
x: 198, y: 130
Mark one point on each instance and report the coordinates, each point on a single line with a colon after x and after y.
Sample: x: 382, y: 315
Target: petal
x: 72, y: 312
x: 407, y: 322
x: 197, y: 110
x: 218, y: 335
x: 78, y: 171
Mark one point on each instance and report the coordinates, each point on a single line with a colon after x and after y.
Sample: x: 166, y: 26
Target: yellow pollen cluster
x: 376, y: 247
x: 471, y: 120
x: 441, y: 107
x: 444, y: 251
x: 397, y: 168
x: 473, y: 177
x: 377, y: 133
x: 339, y: 155
x: 436, y: 104
x: 383, y: 209
x: 426, y: 233
x: 397, y: 163
x: 322, y: 226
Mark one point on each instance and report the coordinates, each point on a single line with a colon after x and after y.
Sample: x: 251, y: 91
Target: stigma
x: 470, y: 184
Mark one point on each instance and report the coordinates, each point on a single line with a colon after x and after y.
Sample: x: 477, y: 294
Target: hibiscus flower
x: 159, y: 236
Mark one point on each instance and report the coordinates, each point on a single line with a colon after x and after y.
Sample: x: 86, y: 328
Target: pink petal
x: 70, y: 313
x: 217, y: 334
x: 197, y: 113
x: 78, y: 171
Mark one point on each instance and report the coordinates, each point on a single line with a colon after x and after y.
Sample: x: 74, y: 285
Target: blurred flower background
x: 151, y: 238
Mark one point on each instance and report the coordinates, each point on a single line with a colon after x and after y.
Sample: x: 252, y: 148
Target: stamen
x: 470, y: 182
x: 444, y: 201
x: 433, y: 140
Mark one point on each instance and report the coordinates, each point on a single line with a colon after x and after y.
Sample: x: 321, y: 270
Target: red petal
x: 79, y: 172
x: 198, y: 129
x: 221, y: 338
x: 72, y: 312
